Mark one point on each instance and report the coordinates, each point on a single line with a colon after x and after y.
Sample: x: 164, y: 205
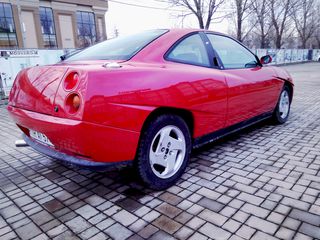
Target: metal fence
x: 12, y: 61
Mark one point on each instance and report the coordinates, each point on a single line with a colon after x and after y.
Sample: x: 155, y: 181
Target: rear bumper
x: 74, y: 140
x: 73, y: 160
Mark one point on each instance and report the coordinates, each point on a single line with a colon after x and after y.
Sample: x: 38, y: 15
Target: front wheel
x: 282, y: 110
x: 164, y: 151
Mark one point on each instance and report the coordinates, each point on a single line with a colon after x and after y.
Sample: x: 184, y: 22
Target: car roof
x: 155, y: 51
x: 191, y: 30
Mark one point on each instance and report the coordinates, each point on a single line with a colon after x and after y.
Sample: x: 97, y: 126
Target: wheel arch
x: 290, y: 86
x: 186, y: 115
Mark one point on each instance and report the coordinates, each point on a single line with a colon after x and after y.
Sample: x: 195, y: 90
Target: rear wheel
x: 164, y: 151
x: 282, y: 110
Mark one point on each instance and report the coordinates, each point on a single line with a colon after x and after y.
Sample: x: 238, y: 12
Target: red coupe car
x: 147, y: 99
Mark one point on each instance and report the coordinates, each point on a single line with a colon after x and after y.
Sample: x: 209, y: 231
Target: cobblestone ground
x: 262, y: 183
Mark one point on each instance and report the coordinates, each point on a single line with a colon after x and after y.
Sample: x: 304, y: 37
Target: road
x: 262, y: 183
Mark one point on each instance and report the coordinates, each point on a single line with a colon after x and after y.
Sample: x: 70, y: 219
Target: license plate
x: 40, y: 137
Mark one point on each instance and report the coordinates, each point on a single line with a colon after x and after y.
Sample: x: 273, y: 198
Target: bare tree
x: 317, y: 32
x: 202, y: 9
x: 280, y: 10
x: 317, y: 38
x: 261, y: 12
x: 304, y: 16
x: 243, y: 11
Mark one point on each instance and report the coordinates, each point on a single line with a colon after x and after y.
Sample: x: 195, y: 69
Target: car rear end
x: 48, y: 104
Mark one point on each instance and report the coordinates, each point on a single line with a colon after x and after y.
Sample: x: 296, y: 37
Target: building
x: 52, y: 24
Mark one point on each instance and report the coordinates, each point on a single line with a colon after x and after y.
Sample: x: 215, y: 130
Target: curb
x: 293, y: 63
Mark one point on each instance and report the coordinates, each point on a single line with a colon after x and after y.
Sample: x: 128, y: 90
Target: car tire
x: 164, y: 151
x: 281, y: 113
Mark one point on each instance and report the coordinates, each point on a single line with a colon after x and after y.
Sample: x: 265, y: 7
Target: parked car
x: 147, y: 99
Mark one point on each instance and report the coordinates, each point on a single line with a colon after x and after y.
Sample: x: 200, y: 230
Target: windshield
x: 121, y: 48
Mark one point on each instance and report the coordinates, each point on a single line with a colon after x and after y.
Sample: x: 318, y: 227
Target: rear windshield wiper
x: 67, y: 55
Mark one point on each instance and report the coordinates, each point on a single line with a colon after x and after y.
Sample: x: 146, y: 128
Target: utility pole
x: 182, y: 21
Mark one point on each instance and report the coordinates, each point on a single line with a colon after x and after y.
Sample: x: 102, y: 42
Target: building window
x: 86, y: 29
x: 47, y: 27
x: 8, y: 37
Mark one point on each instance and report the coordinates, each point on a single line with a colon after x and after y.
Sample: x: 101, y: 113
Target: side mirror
x: 266, y: 59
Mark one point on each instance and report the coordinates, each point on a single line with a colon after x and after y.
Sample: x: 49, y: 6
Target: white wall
x: 20, y: 59
x: 283, y: 56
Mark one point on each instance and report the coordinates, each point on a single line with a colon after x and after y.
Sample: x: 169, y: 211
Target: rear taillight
x: 73, y: 103
x: 71, y: 81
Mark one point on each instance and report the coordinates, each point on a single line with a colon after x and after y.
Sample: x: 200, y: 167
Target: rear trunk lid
x: 35, y: 88
x: 40, y: 89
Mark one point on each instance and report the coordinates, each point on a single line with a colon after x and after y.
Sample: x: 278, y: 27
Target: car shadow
x: 126, y: 177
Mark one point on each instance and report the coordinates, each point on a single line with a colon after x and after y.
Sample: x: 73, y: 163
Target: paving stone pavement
x: 262, y: 183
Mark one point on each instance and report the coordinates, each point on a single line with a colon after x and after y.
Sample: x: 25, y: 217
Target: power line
x: 157, y: 1
x: 144, y: 6
x: 158, y: 8
x: 161, y: 1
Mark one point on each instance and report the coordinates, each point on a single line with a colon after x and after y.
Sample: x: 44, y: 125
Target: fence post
x: 1, y: 88
x: 310, y: 54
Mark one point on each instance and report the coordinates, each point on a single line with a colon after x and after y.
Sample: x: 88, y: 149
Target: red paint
x: 252, y: 92
x: 115, y: 103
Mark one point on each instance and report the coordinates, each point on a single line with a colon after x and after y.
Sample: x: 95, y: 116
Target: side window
x: 190, y: 50
x: 231, y: 53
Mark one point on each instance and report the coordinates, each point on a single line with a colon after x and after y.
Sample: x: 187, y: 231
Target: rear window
x: 121, y: 48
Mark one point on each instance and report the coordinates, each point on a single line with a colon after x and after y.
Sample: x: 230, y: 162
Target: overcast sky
x: 129, y: 19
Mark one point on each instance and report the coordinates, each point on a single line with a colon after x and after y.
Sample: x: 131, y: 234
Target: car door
x: 252, y: 88
x: 202, y: 88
